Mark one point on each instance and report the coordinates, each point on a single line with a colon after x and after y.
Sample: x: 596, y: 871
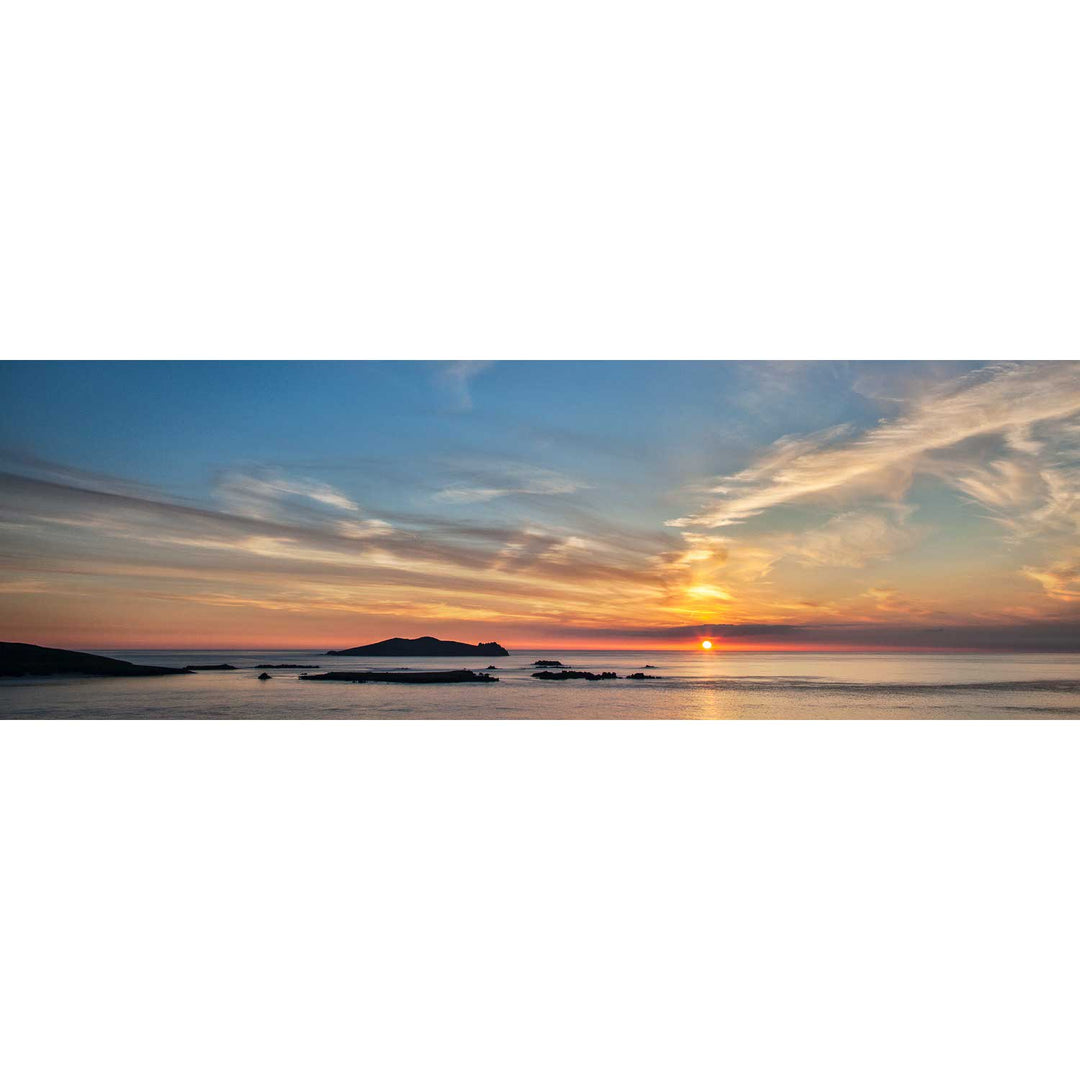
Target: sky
x: 810, y: 505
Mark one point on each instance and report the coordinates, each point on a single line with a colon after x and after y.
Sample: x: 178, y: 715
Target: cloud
x: 854, y: 538
x: 510, y: 480
x: 704, y: 573
x: 687, y: 633
x: 363, y: 530
x: 563, y: 550
x: 708, y: 592
x: 266, y: 494
x: 1005, y: 399
x: 887, y: 598
x: 703, y: 552
x: 456, y: 376
x: 261, y: 492
x: 1033, y: 490
x: 38, y: 468
x: 29, y: 586
x: 58, y: 533
x: 1060, y: 581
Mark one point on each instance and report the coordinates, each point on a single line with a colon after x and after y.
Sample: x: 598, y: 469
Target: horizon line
x: 718, y: 649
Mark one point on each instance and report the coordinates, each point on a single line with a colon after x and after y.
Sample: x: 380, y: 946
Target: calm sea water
x: 693, y: 685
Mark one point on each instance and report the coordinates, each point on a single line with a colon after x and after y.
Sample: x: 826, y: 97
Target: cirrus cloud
x: 993, y: 400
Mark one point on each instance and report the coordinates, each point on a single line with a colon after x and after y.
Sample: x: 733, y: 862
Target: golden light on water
x: 706, y: 644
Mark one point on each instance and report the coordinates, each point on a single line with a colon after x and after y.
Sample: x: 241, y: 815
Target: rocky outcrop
x: 422, y: 646
x: 548, y: 663
x: 642, y: 675
x: 402, y: 676
x: 18, y: 658
x: 264, y: 676
x: 590, y: 676
x: 260, y: 667
x: 209, y: 667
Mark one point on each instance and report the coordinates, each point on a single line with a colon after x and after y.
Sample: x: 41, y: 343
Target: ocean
x: 692, y: 686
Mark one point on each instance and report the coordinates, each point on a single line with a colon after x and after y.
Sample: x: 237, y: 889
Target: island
x: 209, y: 667
x: 422, y: 646
x: 548, y: 663
x: 259, y: 667
x: 19, y: 659
x: 401, y: 676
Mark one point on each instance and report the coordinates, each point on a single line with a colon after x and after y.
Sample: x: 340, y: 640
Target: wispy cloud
x: 270, y: 495
x: 67, y: 532
x: 456, y: 377
x: 1005, y: 437
x: 887, y: 598
x: 998, y: 399
x: 510, y: 480
x: 1060, y: 581
x: 1031, y: 488
x: 853, y: 539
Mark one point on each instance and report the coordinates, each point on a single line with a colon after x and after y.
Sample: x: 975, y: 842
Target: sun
x: 706, y: 644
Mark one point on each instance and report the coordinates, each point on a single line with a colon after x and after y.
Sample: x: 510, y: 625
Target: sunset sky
x: 321, y: 505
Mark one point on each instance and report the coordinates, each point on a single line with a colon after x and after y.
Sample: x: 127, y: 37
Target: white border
x: 593, y: 179
x: 539, y: 899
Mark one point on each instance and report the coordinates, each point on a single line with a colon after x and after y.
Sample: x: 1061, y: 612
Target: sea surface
x: 692, y: 685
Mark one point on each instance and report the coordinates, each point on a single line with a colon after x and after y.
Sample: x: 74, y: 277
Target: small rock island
x: 460, y: 676
x: 422, y: 646
x: 18, y: 658
x: 589, y: 676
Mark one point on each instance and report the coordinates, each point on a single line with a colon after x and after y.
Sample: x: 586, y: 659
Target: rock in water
x: 265, y: 676
x: 402, y: 676
x: 422, y: 646
x: 18, y: 658
x: 590, y: 676
x: 548, y: 663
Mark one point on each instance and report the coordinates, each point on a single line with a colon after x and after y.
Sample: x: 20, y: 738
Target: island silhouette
x: 422, y: 646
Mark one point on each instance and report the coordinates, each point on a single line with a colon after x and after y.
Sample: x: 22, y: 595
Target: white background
x: 499, y: 899
x: 574, y: 178
x: 485, y: 180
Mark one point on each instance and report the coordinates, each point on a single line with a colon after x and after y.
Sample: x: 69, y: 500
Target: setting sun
x: 706, y: 644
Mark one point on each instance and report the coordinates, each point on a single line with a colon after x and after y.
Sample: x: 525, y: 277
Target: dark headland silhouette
x: 422, y: 646
x: 18, y: 658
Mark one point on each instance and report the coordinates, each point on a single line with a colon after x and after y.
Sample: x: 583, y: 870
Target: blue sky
x: 289, y: 502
